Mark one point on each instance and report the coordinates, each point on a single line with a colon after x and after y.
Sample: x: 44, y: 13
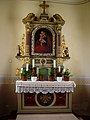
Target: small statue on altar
x: 19, y: 52
x: 66, y: 52
x: 18, y: 73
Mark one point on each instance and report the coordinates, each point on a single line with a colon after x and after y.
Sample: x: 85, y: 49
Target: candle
x: 54, y: 63
x: 59, y: 68
x: 33, y: 63
x: 64, y: 70
x: 27, y: 67
x: 21, y: 70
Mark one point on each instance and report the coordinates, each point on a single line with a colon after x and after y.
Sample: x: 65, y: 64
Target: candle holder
x: 33, y: 63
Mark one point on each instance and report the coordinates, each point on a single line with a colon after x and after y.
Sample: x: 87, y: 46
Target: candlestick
x: 27, y: 67
x: 59, y: 68
x: 64, y: 70
x: 33, y: 63
x: 21, y: 70
x: 54, y: 62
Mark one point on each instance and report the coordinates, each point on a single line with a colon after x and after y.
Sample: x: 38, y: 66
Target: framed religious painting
x: 43, y: 41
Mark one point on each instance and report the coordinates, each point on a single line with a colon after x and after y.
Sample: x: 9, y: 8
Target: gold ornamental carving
x: 23, y: 45
x: 30, y: 45
x: 64, y: 48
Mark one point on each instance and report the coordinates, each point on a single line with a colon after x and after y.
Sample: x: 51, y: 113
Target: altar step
x: 64, y: 116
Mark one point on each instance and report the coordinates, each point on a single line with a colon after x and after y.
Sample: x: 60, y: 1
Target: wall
x: 76, y: 31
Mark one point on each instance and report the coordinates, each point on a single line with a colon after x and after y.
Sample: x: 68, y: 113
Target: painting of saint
x: 43, y: 41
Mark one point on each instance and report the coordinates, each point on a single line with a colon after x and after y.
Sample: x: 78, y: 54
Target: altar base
x: 66, y: 116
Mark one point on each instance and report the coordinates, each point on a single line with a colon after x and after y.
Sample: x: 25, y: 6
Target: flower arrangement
x: 41, y: 75
x: 52, y: 74
x: 66, y: 74
x: 22, y: 73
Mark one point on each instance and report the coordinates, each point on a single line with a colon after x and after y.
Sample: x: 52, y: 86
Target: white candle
x: 33, y: 63
x: 27, y: 67
x: 54, y: 62
x: 21, y: 70
x: 59, y: 68
x: 64, y: 70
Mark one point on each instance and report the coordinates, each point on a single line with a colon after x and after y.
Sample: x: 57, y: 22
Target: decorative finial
x: 44, y: 6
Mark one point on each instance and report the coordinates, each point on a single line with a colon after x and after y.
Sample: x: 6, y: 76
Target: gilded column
x: 58, y: 43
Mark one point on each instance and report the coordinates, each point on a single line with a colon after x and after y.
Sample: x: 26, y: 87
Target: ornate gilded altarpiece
x: 43, y: 38
x: 44, y: 43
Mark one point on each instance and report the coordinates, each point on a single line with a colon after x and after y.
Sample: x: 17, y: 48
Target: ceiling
x: 67, y: 1
x: 71, y: 1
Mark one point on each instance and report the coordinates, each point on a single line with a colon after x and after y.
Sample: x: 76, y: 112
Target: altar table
x: 44, y: 96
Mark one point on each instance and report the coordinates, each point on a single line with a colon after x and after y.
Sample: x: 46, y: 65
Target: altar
x: 43, y: 84
x: 44, y: 97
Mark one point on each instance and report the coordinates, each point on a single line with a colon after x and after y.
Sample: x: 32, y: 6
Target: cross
x: 44, y: 6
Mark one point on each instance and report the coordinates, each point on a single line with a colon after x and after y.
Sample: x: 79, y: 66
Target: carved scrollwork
x: 28, y: 21
x: 29, y: 18
x: 58, y: 28
x: 59, y: 19
x: 22, y: 46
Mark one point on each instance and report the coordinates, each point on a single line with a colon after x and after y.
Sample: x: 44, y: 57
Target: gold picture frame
x: 43, y: 41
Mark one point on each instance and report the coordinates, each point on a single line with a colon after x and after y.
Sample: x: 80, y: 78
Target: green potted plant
x: 28, y: 73
x: 52, y: 74
x: 41, y: 75
x: 23, y: 74
x: 66, y: 74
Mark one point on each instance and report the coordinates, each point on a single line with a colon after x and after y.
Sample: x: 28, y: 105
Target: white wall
x: 76, y: 30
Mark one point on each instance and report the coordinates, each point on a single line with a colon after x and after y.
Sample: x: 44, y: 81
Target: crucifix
x: 44, y: 6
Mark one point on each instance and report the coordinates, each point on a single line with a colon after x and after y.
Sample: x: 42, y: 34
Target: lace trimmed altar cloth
x: 44, y: 86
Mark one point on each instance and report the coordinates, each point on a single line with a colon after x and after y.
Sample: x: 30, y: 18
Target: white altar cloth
x: 44, y: 86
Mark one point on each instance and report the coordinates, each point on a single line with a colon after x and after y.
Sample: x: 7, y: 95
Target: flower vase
x: 34, y: 78
x: 59, y: 79
x: 24, y: 78
x: 52, y: 78
x: 66, y: 78
x: 41, y: 78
